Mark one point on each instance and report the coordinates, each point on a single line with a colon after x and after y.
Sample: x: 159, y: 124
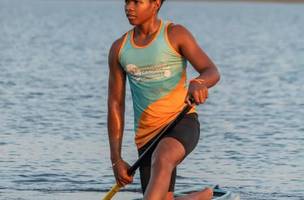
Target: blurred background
x: 53, y: 99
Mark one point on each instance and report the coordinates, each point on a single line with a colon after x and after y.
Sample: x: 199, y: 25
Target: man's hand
x: 198, y: 91
x: 120, y: 169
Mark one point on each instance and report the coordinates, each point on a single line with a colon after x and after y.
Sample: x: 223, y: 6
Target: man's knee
x: 168, y: 152
x: 162, y: 161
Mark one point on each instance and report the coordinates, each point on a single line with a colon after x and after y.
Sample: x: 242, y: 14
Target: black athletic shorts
x: 187, y: 132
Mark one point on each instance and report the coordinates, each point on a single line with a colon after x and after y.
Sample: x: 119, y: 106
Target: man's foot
x: 205, y: 194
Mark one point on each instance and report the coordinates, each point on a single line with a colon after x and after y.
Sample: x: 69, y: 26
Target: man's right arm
x: 116, y: 102
x: 116, y: 109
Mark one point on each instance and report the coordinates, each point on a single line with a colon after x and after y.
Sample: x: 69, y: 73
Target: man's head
x: 138, y: 11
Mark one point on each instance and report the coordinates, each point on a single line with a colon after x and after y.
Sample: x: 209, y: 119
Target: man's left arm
x: 208, y: 73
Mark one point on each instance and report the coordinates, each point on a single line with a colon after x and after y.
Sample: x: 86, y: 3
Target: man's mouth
x: 129, y: 16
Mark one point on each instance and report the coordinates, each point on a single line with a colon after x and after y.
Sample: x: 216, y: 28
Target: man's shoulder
x: 177, y: 29
x: 116, y: 45
x: 178, y: 32
x: 118, y: 42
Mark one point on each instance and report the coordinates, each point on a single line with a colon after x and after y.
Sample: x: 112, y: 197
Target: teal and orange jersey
x: 157, y: 78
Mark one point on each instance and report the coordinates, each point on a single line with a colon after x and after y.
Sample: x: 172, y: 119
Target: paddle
x: 134, y: 167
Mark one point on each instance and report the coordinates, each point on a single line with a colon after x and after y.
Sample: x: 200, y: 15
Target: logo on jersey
x: 149, y: 72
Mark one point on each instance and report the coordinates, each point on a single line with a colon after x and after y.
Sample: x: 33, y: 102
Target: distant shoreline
x: 247, y: 1
x: 211, y: 1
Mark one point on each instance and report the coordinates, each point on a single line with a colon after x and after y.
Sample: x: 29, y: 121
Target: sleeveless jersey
x: 157, y: 79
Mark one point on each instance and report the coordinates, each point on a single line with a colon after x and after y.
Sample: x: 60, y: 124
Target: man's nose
x: 129, y: 6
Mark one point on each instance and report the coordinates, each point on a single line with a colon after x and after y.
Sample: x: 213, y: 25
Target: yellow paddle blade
x: 112, y: 192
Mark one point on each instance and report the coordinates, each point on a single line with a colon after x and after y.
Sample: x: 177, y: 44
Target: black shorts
x: 187, y: 132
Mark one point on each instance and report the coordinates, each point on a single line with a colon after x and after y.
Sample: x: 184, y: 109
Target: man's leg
x: 167, y: 155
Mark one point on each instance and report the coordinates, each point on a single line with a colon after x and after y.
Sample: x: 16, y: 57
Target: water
x: 53, y: 88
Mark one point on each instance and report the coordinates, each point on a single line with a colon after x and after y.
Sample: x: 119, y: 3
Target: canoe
x: 220, y: 194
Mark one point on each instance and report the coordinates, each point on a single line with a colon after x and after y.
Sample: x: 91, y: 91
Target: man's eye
x: 134, y: 1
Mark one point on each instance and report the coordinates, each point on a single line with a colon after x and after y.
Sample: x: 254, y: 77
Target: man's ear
x: 157, y: 3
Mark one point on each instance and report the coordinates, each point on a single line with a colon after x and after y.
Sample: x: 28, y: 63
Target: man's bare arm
x: 116, y: 102
x: 116, y: 110
x: 186, y: 45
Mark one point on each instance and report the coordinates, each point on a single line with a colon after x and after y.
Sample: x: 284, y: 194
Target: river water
x: 53, y: 93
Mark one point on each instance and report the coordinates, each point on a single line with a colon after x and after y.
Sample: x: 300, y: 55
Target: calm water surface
x: 53, y: 90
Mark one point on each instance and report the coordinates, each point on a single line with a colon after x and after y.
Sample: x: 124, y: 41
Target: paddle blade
x: 112, y: 192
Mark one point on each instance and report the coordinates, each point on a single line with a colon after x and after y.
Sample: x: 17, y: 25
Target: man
x: 153, y: 55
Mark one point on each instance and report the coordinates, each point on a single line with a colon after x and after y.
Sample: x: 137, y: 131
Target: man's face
x: 138, y: 11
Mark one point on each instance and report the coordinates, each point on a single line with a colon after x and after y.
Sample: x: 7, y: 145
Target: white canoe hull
x: 220, y: 194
